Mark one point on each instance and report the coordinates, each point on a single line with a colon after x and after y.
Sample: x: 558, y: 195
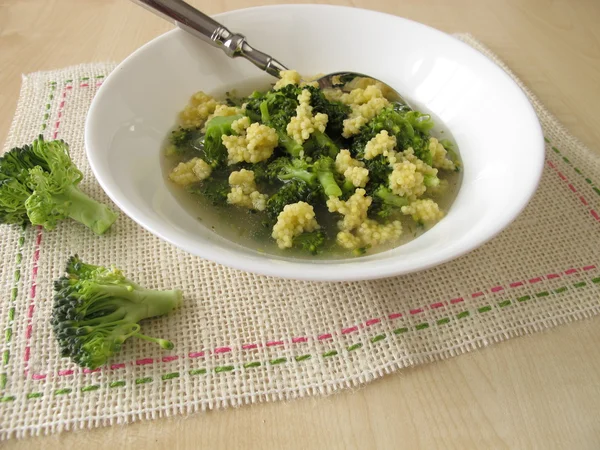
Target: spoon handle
x: 212, y: 32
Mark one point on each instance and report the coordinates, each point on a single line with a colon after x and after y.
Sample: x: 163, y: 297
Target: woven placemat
x: 242, y: 338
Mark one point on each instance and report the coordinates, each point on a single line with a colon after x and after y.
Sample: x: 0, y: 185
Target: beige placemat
x: 242, y: 338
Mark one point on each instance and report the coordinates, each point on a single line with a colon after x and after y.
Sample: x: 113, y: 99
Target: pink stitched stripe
x: 91, y: 371
x: 143, y: 362
x: 416, y: 311
x: 562, y: 177
x: 222, y: 350
x: 62, y: 104
x: 84, y: 85
x: 274, y: 343
x: 99, y: 84
x: 583, y: 200
x: 594, y: 214
x: 570, y: 271
x: 589, y: 268
x: 37, y: 376
x: 169, y: 358
x: 535, y: 280
x: 454, y: 301
x: 324, y: 337
x: 517, y: 284
x: 27, y: 353
x: 249, y: 346
x: 437, y: 305
x: 552, y: 276
x: 298, y: 340
x: 28, y: 332
x: 65, y: 372
x: 551, y: 164
x: 372, y: 322
x: 117, y: 366
x: 572, y: 187
x: 349, y: 330
x: 497, y: 289
x: 68, y: 87
x: 395, y: 316
x: 477, y: 294
x: 196, y: 354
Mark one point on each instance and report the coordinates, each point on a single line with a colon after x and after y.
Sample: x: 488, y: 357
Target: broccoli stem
x: 325, y: 141
x: 327, y: 180
x: 290, y: 145
x: 389, y: 198
x: 86, y: 210
x: 156, y: 303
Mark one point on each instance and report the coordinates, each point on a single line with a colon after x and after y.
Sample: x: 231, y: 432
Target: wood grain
x: 541, y: 391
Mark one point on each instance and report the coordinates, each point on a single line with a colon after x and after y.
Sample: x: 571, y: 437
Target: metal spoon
x: 234, y: 45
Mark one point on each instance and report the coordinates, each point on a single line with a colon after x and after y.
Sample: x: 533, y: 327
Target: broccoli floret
x: 291, y: 192
x: 385, y: 202
x: 38, y: 185
x: 410, y: 128
x: 185, y: 142
x: 97, y: 309
x: 379, y: 171
x: 336, y: 112
x: 310, y: 242
x: 279, y: 123
x: 449, y: 146
x: 286, y: 169
x: 324, y: 168
x: 320, y: 144
x: 215, y: 190
x: 215, y: 153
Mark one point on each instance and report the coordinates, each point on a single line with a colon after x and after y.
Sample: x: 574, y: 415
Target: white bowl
x: 495, y: 127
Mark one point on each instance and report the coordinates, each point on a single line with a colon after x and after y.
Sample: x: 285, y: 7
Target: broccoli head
x: 336, y: 112
x: 286, y: 169
x: 214, y: 152
x: 38, y: 185
x: 214, y: 190
x: 310, y: 242
x: 293, y: 191
x: 385, y: 202
x: 96, y: 309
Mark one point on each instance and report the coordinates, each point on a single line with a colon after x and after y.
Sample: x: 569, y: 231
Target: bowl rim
x: 306, y: 270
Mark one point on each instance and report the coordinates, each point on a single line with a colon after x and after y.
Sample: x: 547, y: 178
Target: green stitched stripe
x: 330, y: 353
x: 197, y: 371
x: 34, y: 395
x: 3, y: 379
x: 302, y: 357
x: 116, y: 384
x: 85, y: 78
x: 560, y: 289
x: 580, y: 284
x: 19, y: 258
x: 588, y: 181
x: 13, y: 294
x: 377, y: 338
x: 143, y: 380
x: 170, y: 376
x: 596, y: 190
x: 354, y: 347
x: 400, y: 330
x: 278, y: 361
x: 524, y: 298
x: 93, y: 387
x: 577, y: 170
x: 485, y: 309
x: 546, y: 139
x: 224, y: 369
x: 565, y: 159
x: 443, y: 321
x: 504, y: 304
x: 8, y: 398
x: 5, y: 357
x: 460, y: 315
x: 422, y: 326
x: 17, y: 275
x: 596, y: 280
x: 8, y: 334
x: 63, y: 391
x: 555, y: 150
x: 251, y: 364
x: 542, y: 294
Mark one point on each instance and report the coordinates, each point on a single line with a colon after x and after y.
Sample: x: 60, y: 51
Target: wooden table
x: 541, y: 391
